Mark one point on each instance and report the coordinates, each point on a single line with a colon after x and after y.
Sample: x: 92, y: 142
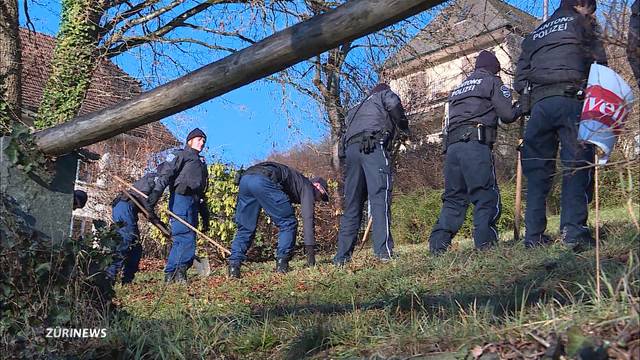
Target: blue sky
x: 242, y: 126
x: 245, y: 125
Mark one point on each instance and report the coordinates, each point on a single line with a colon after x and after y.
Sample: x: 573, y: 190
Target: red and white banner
x: 606, y: 106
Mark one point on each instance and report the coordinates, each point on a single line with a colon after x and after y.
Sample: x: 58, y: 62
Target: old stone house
x: 442, y: 54
x: 125, y: 154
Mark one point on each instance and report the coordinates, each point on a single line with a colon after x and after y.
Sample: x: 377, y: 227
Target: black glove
x: 152, y: 200
x: 525, y: 102
x: 155, y: 220
x: 517, y: 107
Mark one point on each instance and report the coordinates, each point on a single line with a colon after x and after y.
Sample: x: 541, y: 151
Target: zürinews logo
x: 75, y: 333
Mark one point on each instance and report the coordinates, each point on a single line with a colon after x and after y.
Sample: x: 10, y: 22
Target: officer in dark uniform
x: 554, y: 66
x: 633, y: 46
x: 274, y: 187
x: 125, y: 213
x: 469, y: 173
x: 370, y: 129
x: 185, y: 173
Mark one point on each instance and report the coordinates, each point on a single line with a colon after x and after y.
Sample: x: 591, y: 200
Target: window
x: 87, y: 171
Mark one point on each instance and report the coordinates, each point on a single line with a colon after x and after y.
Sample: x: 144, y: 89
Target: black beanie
x: 196, y: 133
x: 569, y: 4
x: 380, y: 87
x: 487, y: 60
x: 324, y: 185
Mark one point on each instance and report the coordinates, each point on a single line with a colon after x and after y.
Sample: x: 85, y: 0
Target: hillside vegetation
x: 505, y: 303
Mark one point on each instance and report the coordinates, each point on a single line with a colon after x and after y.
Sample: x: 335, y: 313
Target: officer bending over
x: 370, y: 129
x: 124, y: 212
x: 469, y: 172
x: 185, y: 173
x: 554, y: 64
x: 274, y: 187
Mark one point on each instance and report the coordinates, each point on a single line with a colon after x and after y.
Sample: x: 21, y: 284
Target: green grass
x: 415, y: 305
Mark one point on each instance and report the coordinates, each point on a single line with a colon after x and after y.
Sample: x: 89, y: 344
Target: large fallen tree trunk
x: 279, y: 51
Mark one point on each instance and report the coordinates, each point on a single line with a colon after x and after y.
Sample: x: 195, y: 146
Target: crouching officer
x: 554, y: 65
x: 469, y: 173
x: 370, y: 129
x: 124, y: 212
x: 185, y: 173
x: 274, y: 187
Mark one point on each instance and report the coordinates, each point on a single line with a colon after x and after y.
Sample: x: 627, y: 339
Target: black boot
x: 181, y: 275
x: 311, y: 255
x: 282, y: 265
x: 234, y: 270
x: 169, y: 277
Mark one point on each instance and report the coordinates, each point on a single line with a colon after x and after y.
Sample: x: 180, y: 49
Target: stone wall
x: 47, y: 205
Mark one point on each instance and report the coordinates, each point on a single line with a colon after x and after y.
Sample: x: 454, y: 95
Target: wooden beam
x: 353, y: 19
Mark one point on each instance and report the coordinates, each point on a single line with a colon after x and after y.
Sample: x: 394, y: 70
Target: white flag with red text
x: 606, y: 106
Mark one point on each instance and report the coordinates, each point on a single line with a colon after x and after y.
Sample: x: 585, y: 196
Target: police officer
x: 185, y: 173
x: 124, y: 212
x: 370, y: 129
x: 469, y: 172
x: 274, y: 187
x: 554, y: 66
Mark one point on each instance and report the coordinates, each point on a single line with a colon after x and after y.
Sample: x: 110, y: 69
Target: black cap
x: 323, y: 184
x: 79, y: 199
x: 487, y: 60
x: 196, y: 133
x: 569, y: 4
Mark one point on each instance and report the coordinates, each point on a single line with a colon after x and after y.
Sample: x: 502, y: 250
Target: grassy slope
x: 414, y: 305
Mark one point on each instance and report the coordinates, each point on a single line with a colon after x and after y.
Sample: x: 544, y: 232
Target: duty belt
x: 478, y: 132
x: 369, y: 140
x: 570, y: 90
x: 357, y: 138
x: 264, y: 171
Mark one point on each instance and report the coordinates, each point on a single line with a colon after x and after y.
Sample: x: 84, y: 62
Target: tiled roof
x: 109, y: 84
x: 460, y: 21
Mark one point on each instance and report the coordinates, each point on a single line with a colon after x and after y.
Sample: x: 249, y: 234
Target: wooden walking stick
x: 222, y: 249
x: 597, y: 225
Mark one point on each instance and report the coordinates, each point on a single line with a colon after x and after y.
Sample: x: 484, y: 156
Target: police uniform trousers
x: 260, y: 192
x: 469, y: 177
x: 366, y: 175
x: 183, y: 248
x: 129, y: 251
x: 555, y: 119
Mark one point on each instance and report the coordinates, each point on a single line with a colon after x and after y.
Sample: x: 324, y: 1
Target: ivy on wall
x: 73, y: 63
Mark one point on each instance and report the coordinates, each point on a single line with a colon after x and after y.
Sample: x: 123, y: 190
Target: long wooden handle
x: 222, y: 249
x: 597, y: 220
x: 162, y: 229
x: 518, y: 202
x: 366, y: 232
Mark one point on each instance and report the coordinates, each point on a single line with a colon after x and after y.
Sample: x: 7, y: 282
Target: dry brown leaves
x: 620, y: 339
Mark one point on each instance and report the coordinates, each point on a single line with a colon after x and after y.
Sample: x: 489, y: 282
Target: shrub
x: 46, y: 283
x: 415, y: 214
